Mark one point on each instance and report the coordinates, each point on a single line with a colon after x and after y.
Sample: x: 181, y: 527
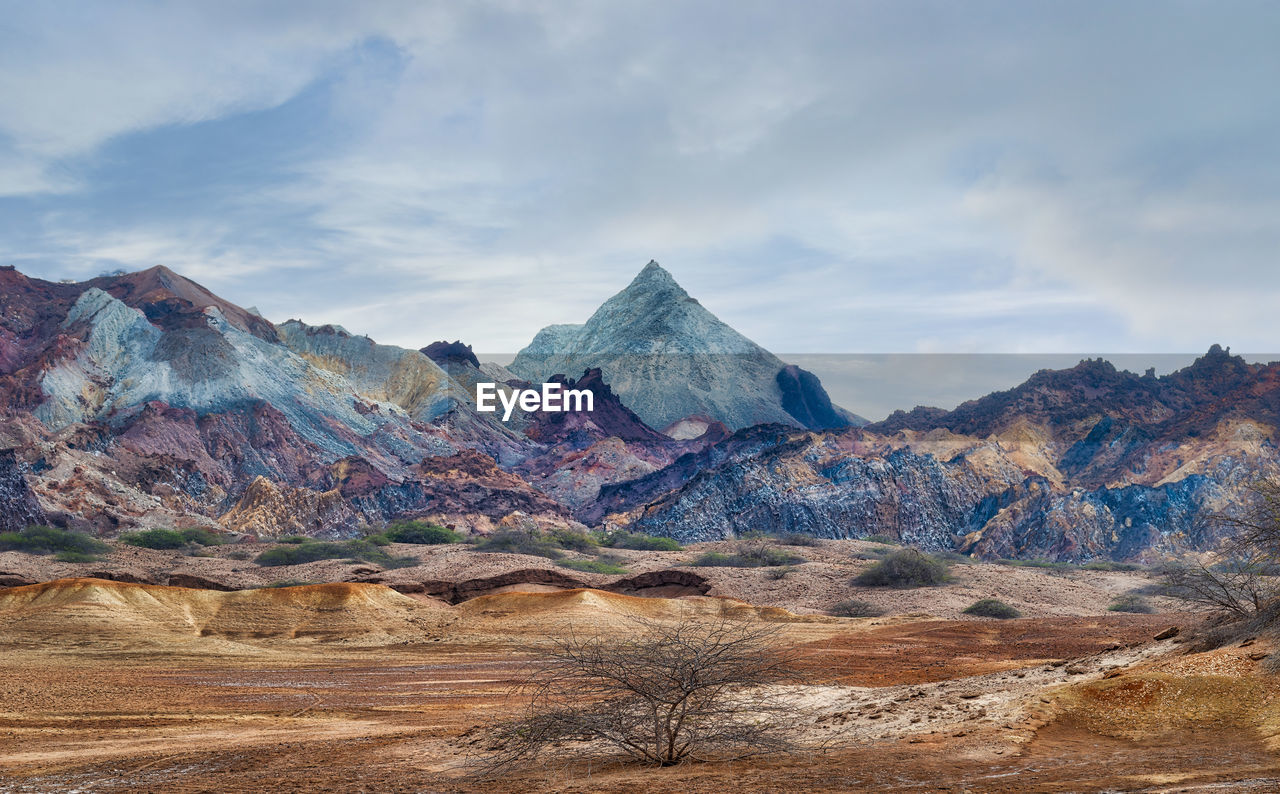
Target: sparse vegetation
x: 520, y: 541
x: 753, y: 550
x: 1051, y: 565
x: 593, y: 566
x: 315, y: 550
x: 67, y: 545
x: 855, y: 608
x: 882, y: 539
x: 904, y: 568
x: 798, y: 539
x: 172, y: 538
x: 661, y: 695
x: 622, y: 539
x: 747, y: 559
x: 1132, y: 602
x: 291, y: 583
x: 779, y: 573
x: 572, y: 539
x: 992, y: 608
x: 1110, y: 565
x: 420, y: 532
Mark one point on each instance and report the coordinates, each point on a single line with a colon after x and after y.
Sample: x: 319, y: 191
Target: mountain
x: 668, y: 358
x: 1103, y: 426
x: 144, y: 400
x: 854, y: 484
x: 1074, y: 464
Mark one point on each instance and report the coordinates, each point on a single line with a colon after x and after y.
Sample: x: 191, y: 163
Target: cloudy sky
x: 826, y: 177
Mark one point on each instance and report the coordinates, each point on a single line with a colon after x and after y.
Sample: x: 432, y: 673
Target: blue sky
x: 829, y: 177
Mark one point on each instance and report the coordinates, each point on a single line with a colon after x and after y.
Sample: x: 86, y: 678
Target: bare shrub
x: 1234, y: 587
x: 661, y: 695
x: 1240, y: 590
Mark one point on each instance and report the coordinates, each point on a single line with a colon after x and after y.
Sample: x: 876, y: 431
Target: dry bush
x: 1235, y: 587
x: 1242, y: 583
x: 661, y: 695
x: 1241, y: 591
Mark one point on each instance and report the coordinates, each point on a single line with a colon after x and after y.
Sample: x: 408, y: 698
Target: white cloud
x: 838, y: 175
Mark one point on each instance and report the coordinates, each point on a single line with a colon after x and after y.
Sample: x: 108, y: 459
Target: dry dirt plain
x: 110, y: 686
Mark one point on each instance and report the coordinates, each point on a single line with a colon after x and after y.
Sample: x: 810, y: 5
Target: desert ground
x: 356, y: 686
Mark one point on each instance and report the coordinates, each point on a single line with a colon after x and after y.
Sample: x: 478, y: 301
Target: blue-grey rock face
x: 667, y: 358
x: 125, y: 361
x: 982, y: 503
x: 19, y: 508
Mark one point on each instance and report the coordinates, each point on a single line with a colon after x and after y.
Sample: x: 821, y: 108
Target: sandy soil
x: 112, y: 687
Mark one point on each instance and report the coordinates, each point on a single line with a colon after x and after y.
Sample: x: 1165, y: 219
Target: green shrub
x: 747, y: 558
x: 517, y: 541
x: 572, y: 539
x: 297, y: 553
x: 203, y: 536
x: 38, y: 539
x: 904, y: 568
x: 75, y: 556
x: 1131, y: 602
x: 992, y: 608
x: 855, y: 608
x: 621, y: 539
x: 171, y: 538
x: 419, y: 532
x: 293, y: 539
x: 154, y: 539
x: 592, y: 566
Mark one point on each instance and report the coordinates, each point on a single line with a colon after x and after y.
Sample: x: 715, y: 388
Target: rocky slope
x: 144, y: 400
x: 667, y: 358
x: 1073, y: 465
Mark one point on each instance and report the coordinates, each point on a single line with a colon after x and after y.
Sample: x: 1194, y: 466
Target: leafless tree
x: 662, y: 694
x: 1241, y: 583
x: 1256, y: 530
x: 1235, y: 587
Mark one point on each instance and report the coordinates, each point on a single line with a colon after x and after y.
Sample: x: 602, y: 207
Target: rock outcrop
x: 18, y: 505
x: 273, y: 511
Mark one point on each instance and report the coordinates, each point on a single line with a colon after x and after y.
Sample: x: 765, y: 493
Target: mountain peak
x: 653, y: 277
x: 667, y: 357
